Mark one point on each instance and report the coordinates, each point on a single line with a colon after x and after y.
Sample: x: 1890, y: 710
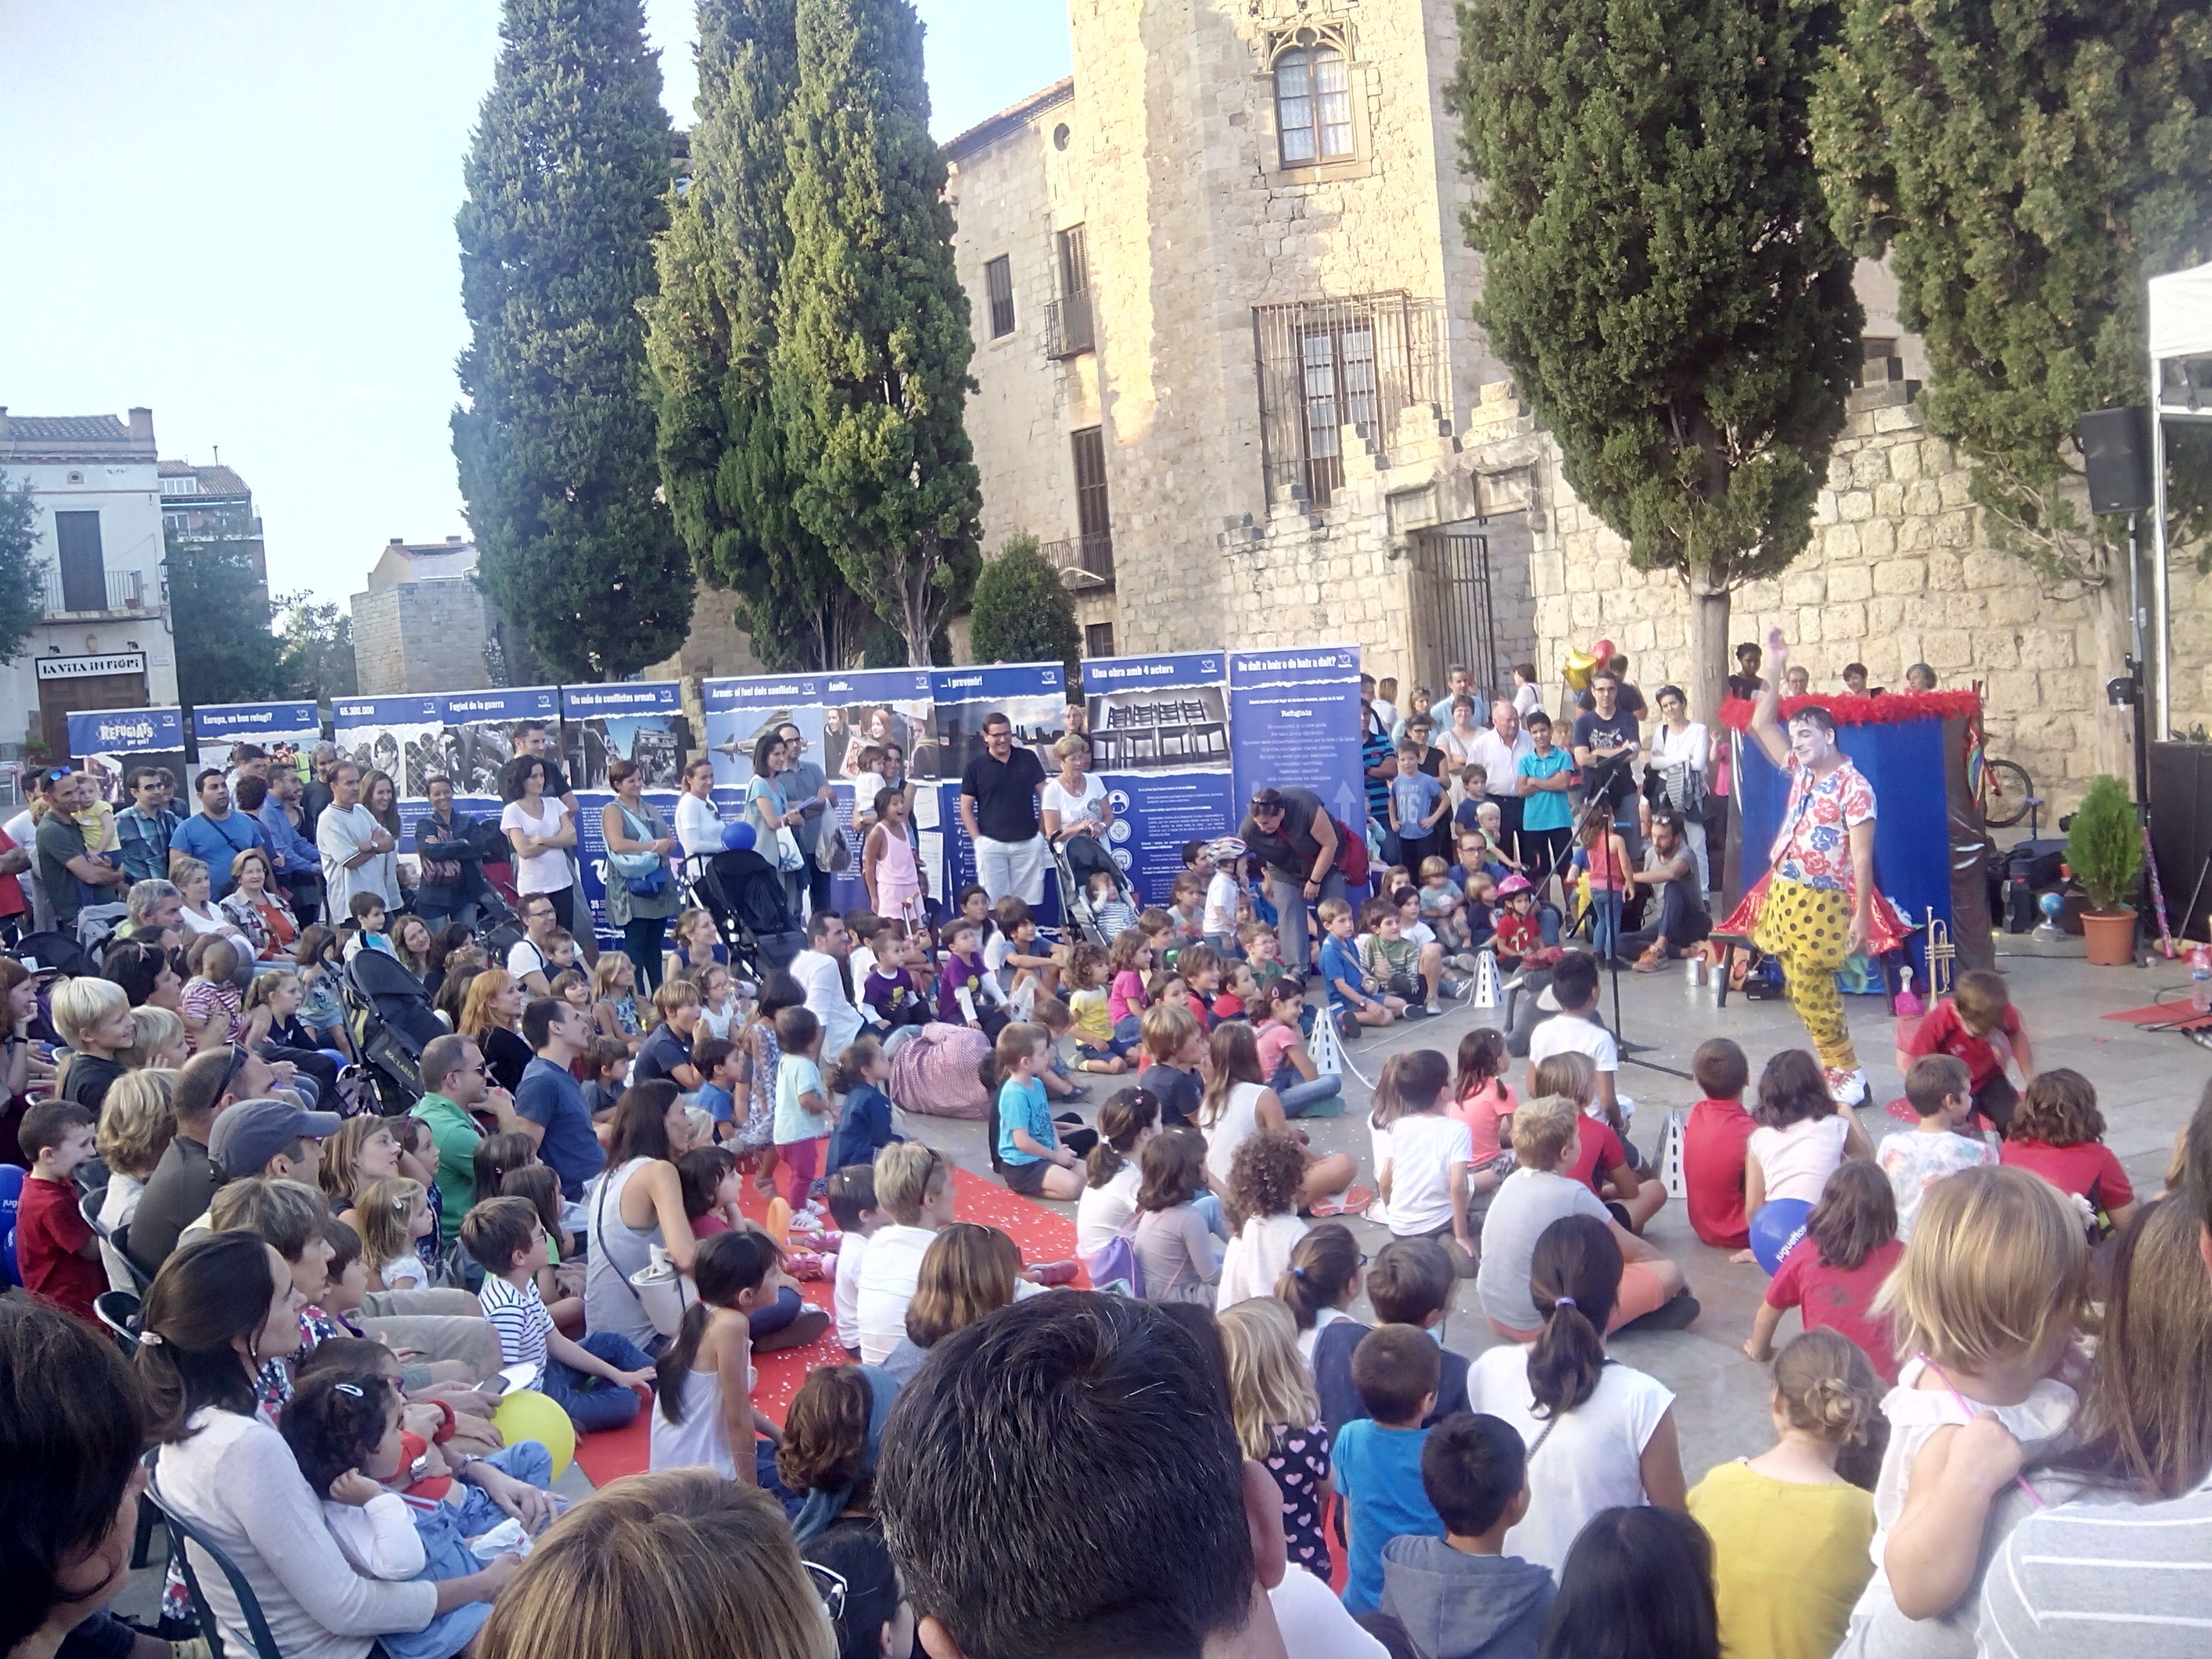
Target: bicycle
x: 2006, y: 793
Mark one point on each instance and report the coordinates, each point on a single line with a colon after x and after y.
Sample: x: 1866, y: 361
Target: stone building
x: 424, y: 625
x: 1228, y: 376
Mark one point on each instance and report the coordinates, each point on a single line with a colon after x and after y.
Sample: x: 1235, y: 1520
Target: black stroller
x: 743, y: 893
x: 1077, y: 859
x: 392, y: 1021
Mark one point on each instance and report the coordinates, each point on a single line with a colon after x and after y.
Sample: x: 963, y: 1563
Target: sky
x: 239, y: 214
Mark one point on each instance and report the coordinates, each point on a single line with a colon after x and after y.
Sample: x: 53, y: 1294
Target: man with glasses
x: 999, y: 794
x: 526, y: 958
x: 184, y: 1181
x: 808, y: 788
x: 456, y: 1085
x: 1671, y: 874
x: 146, y: 826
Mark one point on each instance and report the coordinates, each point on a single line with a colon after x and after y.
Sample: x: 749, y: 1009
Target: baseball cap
x: 252, y: 1131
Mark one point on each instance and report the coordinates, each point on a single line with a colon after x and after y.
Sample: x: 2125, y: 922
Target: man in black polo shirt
x: 999, y: 810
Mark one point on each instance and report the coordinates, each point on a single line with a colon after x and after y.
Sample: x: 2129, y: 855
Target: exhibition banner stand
x: 478, y: 740
x: 1160, y: 744
x: 109, y: 743
x: 638, y: 720
x: 288, y: 730
x: 1294, y: 720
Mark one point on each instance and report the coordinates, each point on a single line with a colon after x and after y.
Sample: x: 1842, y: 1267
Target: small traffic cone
x: 1488, y: 992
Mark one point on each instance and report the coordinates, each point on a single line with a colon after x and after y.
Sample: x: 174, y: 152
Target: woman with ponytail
x: 703, y: 1382
x: 1790, y: 1532
x: 220, y: 1309
x: 1127, y: 1120
x: 1599, y: 1433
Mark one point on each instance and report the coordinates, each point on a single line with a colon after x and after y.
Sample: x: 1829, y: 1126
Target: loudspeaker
x: 2181, y: 831
x: 2116, y: 447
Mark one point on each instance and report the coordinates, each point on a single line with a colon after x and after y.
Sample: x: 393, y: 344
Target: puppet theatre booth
x: 1920, y: 752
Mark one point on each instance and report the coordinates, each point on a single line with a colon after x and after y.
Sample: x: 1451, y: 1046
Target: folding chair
x: 180, y: 1531
x: 119, y: 1310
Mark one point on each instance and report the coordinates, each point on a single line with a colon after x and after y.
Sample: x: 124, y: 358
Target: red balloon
x: 1603, y: 651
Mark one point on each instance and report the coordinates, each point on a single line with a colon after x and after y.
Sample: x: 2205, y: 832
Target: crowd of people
x: 327, y: 1307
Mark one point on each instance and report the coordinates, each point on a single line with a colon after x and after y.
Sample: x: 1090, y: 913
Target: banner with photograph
x: 478, y: 740
x: 1294, y: 720
x: 288, y: 730
x: 109, y: 743
x: 402, y: 737
x: 1159, y: 742
x: 878, y: 732
x: 740, y: 712
x: 637, y: 720
x: 1034, y: 697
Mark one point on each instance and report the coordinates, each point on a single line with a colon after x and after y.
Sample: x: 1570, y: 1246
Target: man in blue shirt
x: 550, y: 1102
x: 216, y: 835
x: 146, y: 826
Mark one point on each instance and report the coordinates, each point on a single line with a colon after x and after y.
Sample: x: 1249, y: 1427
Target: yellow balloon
x: 1577, y: 668
x: 527, y: 1414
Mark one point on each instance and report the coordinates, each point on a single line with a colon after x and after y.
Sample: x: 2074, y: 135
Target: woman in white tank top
x: 636, y: 1204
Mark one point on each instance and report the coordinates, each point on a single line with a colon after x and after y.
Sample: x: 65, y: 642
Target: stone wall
x: 420, y: 636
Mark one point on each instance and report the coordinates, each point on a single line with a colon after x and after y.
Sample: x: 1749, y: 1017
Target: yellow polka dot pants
x: 1806, y: 928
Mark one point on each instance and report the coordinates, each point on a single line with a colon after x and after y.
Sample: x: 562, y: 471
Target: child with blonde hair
x: 614, y: 998
x: 158, y: 1039
x: 1984, y: 1305
x: 394, y: 1211
x: 1790, y: 1532
x: 1279, y: 1421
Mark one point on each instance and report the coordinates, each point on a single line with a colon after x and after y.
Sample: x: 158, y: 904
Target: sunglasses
x: 236, y: 1063
x: 831, y: 1587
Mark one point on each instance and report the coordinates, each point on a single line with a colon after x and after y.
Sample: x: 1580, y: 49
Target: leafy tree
x: 1021, y: 612
x: 1660, y: 273
x: 869, y: 367
x: 22, y: 572
x: 315, y: 655
x: 567, y: 179
x: 2027, y: 167
x: 709, y: 335
x: 219, y: 611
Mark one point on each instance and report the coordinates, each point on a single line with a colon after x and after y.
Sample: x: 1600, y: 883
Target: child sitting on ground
x: 1109, y: 906
x: 1978, y: 1025
x: 1484, y: 1101
x: 1397, y: 965
x: 1462, y: 1596
x: 718, y: 1002
x: 1318, y: 1286
x: 1833, y: 1274
x: 1174, y: 1051
x: 1939, y: 1088
x: 1263, y: 951
x: 1715, y: 1142
x: 720, y: 1064
x: 1519, y: 935
x: 1412, y: 1282
x: 890, y: 990
x: 1086, y: 1006
x: 606, y: 1063
x: 1026, y: 1140
x: 560, y: 1281
x: 614, y: 988
x: 1271, y: 1398
x: 1266, y: 1182
x: 1422, y: 1153
x: 1199, y: 969
x: 1354, y: 994
x: 966, y: 993
x: 712, y: 1188
x: 1790, y: 1532
x: 2058, y: 1132
x: 1128, y: 962
x: 591, y: 1379
x: 864, y: 1120
x: 395, y: 1213
x: 1984, y: 1303
x: 1604, y: 1159
x: 850, y: 1193
x: 1186, y: 909
x: 1238, y: 998
x: 1021, y: 971
x: 1801, y: 1135
x: 1377, y: 1458
x: 703, y: 1415
x: 1442, y: 907
x: 1059, y: 1083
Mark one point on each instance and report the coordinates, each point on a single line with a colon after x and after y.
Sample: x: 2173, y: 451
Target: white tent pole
x: 2161, y: 615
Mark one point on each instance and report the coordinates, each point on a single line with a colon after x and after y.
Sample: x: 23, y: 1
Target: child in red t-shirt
x: 1978, y: 1025
x: 2058, y: 1133
x: 1832, y: 1274
x: 1714, y: 1145
x: 56, y: 1252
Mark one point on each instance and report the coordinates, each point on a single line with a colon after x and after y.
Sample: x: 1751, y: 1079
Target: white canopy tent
x: 2181, y: 391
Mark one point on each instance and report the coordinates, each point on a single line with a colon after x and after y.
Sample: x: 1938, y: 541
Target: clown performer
x: 1816, y: 907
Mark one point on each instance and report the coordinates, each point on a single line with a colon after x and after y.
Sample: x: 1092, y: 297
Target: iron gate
x: 1454, y: 614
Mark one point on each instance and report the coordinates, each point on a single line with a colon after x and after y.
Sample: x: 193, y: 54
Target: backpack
x: 1350, y: 855
x: 1113, y: 1266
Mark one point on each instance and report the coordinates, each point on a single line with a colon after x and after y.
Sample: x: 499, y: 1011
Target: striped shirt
x: 2109, y: 1575
x: 520, y: 1319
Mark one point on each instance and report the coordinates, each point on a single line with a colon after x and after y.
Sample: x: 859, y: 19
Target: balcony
x: 1083, y: 561
x: 123, y: 592
x: 1068, y: 327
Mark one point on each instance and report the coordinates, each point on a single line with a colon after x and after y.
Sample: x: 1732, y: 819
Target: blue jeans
x: 437, y: 906
x: 1301, y: 1097
x: 445, y: 1532
x: 1605, y: 922
x: 593, y: 1403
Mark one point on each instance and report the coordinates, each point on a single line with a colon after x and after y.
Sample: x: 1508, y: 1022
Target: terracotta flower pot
x: 2110, y: 936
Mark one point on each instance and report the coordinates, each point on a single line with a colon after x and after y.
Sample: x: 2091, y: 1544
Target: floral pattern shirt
x: 1814, y: 846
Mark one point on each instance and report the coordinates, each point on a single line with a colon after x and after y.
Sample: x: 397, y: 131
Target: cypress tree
x: 1660, y: 272
x: 567, y: 179
x: 2027, y: 166
x: 870, y: 361
x: 710, y: 331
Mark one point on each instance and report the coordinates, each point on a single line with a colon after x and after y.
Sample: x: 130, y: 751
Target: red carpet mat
x: 2159, y: 1013
x: 1043, y: 1236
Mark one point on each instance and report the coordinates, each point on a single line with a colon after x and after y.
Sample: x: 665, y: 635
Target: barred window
x: 999, y: 283
x: 1313, y: 105
x: 1326, y: 364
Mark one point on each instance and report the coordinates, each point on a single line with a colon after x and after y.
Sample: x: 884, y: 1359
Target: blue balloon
x: 1778, y: 1224
x: 738, y: 837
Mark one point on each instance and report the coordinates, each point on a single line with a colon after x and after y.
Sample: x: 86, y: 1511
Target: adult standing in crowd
x: 1294, y: 838
x: 144, y: 827
x: 1605, y: 741
x: 1681, y: 754
x: 299, y: 863
x: 380, y: 793
x: 1378, y: 755
x: 1074, y: 801
x: 1499, y: 750
x: 698, y: 823
x: 315, y: 792
x: 641, y: 892
x: 775, y: 820
x: 1461, y: 736
x: 22, y: 831
x: 529, y: 739
x: 359, y: 855
x: 538, y: 827
x: 808, y: 788
x: 452, y: 879
x: 80, y: 887
x: 999, y: 804
x: 215, y: 834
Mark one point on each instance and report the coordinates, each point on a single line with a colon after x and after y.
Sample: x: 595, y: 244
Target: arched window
x: 1313, y: 104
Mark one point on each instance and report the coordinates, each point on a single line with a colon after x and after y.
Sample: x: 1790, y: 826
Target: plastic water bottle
x: 2200, y: 979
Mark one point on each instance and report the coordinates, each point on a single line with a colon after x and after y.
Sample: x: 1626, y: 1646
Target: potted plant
x: 2104, y: 850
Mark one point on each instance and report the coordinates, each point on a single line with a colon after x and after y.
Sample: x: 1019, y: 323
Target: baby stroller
x: 1077, y: 859
x: 743, y: 893
x: 392, y: 1021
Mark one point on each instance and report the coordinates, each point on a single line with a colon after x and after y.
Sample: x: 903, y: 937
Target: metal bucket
x: 1699, y: 973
